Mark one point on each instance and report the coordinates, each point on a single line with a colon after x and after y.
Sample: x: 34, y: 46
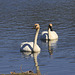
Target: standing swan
x: 31, y: 46
x: 50, y: 34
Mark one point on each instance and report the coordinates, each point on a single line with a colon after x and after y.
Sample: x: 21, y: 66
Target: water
x: 17, y: 17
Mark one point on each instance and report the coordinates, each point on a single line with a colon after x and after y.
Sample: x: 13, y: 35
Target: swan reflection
x: 34, y: 55
x: 26, y: 54
x: 36, y: 63
x: 52, y: 44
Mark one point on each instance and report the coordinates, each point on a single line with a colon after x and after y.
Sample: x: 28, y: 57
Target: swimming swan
x: 31, y: 46
x: 50, y: 34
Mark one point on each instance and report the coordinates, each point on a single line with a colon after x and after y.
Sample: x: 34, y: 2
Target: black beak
x: 51, y: 28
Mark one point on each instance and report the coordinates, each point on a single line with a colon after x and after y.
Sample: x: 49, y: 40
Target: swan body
x: 50, y: 34
x: 45, y: 35
x: 31, y: 46
x: 28, y: 47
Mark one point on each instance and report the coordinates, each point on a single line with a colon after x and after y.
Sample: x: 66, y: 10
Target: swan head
x: 50, y: 26
x: 37, y: 26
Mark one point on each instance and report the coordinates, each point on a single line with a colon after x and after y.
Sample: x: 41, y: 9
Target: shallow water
x: 16, y: 21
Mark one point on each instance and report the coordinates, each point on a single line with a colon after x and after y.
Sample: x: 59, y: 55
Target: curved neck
x: 49, y: 33
x: 36, y: 36
x: 35, y: 40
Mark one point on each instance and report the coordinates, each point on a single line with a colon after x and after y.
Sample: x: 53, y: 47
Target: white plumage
x: 44, y: 35
x: 31, y: 46
x: 26, y: 46
x: 50, y: 34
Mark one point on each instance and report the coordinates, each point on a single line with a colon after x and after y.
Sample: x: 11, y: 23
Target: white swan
x: 31, y: 46
x: 50, y: 34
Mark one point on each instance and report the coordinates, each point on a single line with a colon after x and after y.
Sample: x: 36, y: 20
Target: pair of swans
x: 47, y: 35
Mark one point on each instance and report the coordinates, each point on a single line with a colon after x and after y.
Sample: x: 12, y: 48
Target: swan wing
x: 44, y: 35
x: 54, y: 35
x: 26, y: 46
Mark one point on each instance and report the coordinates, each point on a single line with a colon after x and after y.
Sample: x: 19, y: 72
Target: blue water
x: 17, y: 17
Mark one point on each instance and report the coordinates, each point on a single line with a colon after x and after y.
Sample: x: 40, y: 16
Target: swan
x: 31, y: 46
x: 50, y: 34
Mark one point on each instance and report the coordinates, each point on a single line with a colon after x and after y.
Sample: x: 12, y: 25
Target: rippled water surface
x: 17, y: 17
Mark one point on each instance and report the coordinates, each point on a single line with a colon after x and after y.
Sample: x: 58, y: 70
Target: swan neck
x: 49, y: 33
x: 36, y: 36
x: 51, y: 28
